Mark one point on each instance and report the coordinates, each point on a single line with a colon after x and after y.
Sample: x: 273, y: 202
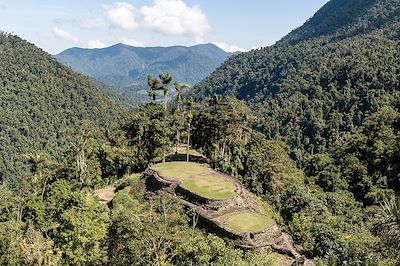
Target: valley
x: 126, y: 68
x: 288, y: 154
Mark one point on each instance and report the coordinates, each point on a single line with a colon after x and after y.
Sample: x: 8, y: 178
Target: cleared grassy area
x: 210, y: 187
x: 198, y: 179
x: 243, y: 222
x: 180, y: 170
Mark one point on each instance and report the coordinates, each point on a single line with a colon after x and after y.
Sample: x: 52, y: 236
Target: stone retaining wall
x: 210, y: 210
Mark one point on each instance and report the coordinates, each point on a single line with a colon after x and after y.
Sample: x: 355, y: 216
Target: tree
x: 388, y: 222
x: 154, y: 85
x: 179, y: 87
x: 42, y: 167
x: 188, y: 103
x: 37, y: 250
x: 10, y: 234
x: 146, y: 232
x: 82, y: 232
x: 222, y: 127
x: 165, y: 81
x: 267, y: 168
x: 149, y: 133
x: 39, y: 97
x: 83, y: 147
x: 208, y: 250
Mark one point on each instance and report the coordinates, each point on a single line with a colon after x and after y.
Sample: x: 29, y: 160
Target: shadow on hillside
x: 182, y: 158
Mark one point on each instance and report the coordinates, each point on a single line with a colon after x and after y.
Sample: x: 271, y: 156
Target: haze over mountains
x: 127, y: 67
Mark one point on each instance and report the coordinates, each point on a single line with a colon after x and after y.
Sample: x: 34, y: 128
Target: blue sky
x: 231, y: 24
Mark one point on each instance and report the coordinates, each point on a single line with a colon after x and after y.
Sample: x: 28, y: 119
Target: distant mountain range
x: 126, y: 67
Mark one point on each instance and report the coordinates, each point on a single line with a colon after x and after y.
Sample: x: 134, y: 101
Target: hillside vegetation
x: 330, y: 91
x: 316, y: 141
x: 323, y: 79
x: 52, y: 215
x: 39, y: 98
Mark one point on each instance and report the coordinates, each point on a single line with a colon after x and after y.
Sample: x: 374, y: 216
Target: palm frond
x: 388, y: 222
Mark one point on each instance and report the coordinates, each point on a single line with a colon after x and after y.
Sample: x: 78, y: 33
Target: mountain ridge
x: 126, y: 67
x: 341, y: 76
x: 333, y: 19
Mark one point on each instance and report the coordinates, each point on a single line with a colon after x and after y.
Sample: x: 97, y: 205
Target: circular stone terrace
x: 246, y: 221
x: 223, y: 205
x: 198, y: 179
x: 203, y: 181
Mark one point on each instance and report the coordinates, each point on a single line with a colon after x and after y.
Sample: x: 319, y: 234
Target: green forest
x: 310, y: 126
x: 126, y: 67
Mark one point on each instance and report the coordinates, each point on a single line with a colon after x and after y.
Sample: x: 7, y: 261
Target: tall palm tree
x: 179, y: 87
x: 41, y: 167
x: 154, y: 85
x: 165, y: 80
x: 388, y: 222
x: 189, y: 118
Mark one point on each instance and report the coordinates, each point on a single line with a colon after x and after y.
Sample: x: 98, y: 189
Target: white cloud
x: 199, y: 40
x: 95, y: 44
x: 92, y: 24
x: 63, y: 35
x: 122, y: 16
x: 174, y: 17
x: 131, y: 42
x: 230, y: 48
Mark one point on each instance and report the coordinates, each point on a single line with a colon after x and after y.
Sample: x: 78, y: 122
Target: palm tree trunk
x: 163, y: 156
x: 176, y: 142
x: 165, y: 101
x: 44, y: 187
x: 188, y: 143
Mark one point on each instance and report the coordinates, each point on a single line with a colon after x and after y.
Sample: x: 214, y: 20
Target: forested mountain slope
x: 343, y: 18
x: 127, y: 67
x: 39, y: 98
x: 331, y: 90
x: 312, y: 86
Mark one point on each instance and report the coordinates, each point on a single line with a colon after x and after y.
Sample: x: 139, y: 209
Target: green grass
x: 198, y: 179
x: 182, y: 150
x: 243, y: 222
x: 210, y: 187
x: 180, y: 170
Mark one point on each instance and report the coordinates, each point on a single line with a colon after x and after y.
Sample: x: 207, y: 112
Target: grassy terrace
x: 180, y: 170
x: 203, y: 181
x: 198, y: 179
x: 210, y: 187
x: 242, y: 222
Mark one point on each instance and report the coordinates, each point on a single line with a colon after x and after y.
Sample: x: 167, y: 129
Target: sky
x: 233, y: 25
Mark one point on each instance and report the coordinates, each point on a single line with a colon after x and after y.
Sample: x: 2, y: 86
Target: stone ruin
x: 209, y: 211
